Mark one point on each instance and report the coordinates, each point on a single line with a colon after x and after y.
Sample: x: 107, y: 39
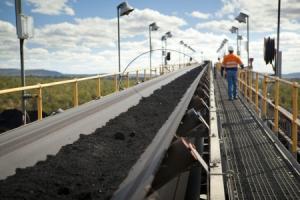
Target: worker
x: 231, y: 62
x: 219, y: 65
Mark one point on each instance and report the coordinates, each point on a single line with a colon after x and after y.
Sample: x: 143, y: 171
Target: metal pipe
x: 150, y: 46
x: 18, y: 11
x: 278, y: 72
x: 237, y: 42
x: 119, y: 53
x: 248, y: 40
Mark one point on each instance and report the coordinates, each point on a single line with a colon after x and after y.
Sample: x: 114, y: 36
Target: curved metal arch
x: 134, y: 59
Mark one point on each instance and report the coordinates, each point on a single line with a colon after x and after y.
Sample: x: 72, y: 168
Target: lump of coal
x: 132, y: 134
x: 119, y: 136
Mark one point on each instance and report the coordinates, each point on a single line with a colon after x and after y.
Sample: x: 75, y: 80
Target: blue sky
x: 79, y: 36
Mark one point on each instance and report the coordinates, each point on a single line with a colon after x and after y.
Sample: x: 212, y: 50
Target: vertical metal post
x: 264, y: 99
x: 248, y: 43
x: 246, y: 84
x: 239, y: 79
x: 278, y: 39
x: 18, y: 11
x: 150, y: 51
x: 237, y: 42
x: 276, y: 98
x: 99, y: 87
x: 256, y: 92
x: 119, y: 51
x: 250, y: 85
x: 162, y: 53
x: 166, y: 52
x: 137, y: 76
x: 75, y: 93
x: 145, y: 74
x: 295, y: 118
x: 127, y: 84
x: 116, y: 82
x: 23, y: 80
x: 40, y: 103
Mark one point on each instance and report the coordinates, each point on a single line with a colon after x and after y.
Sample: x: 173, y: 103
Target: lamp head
x: 125, y: 9
x: 154, y: 27
x: 169, y: 34
x: 241, y: 18
x: 233, y: 29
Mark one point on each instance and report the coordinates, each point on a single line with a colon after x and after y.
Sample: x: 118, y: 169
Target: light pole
x: 152, y: 27
x: 182, y: 43
x: 167, y: 35
x: 241, y: 18
x: 236, y: 30
x: 25, y: 30
x: 163, y: 38
x: 184, y: 51
x: 278, y: 71
x: 122, y: 9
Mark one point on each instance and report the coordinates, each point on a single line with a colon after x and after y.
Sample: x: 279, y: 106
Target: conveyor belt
x: 259, y: 170
x: 26, y: 145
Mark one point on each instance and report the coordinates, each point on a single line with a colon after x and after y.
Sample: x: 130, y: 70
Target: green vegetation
x: 54, y: 97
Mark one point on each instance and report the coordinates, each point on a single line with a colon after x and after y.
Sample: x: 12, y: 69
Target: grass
x: 55, y: 97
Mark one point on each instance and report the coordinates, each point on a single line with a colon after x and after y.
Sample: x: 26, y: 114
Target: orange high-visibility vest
x: 231, y: 61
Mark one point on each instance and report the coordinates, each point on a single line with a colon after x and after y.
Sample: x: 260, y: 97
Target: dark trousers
x: 232, y: 79
x: 222, y: 71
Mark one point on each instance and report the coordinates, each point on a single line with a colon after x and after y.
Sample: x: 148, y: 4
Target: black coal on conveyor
x: 94, y: 166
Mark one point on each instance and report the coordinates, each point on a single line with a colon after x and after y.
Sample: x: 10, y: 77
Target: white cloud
x: 89, y: 45
x: 200, y: 15
x: 229, y: 7
x: 51, y: 7
x: 216, y: 25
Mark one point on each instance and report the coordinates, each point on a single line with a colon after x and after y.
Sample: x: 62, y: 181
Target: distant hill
x: 30, y: 72
x: 291, y: 75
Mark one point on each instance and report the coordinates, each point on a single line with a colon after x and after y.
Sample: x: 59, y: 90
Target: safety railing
x: 139, y: 75
x: 275, y: 100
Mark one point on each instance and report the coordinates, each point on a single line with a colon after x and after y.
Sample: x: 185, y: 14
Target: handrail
x: 75, y: 81
x: 245, y: 83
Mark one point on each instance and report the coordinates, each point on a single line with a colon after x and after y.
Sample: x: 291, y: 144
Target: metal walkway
x: 257, y: 169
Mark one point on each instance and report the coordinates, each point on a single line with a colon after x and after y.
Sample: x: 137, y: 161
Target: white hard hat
x: 230, y: 48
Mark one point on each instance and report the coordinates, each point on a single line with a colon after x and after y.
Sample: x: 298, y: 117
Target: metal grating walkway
x: 258, y: 169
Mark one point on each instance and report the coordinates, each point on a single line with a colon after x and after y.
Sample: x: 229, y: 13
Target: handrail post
x: 137, y: 76
x: 145, y: 75
x: 295, y: 117
x: 99, y: 87
x: 127, y: 85
x: 256, y: 92
x: 75, y: 93
x: 244, y: 82
x: 116, y: 82
x: 264, y: 104
x: 246, y: 85
x: 40, y: 103
x: 276, y: 98
x: 239, y: 79
x: 250, y: 86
